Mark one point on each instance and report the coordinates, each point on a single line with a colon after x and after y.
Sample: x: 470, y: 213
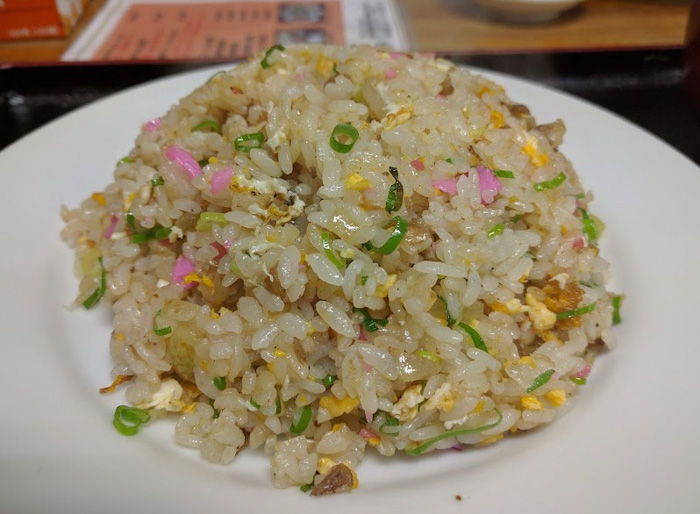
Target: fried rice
x: 327, y: 249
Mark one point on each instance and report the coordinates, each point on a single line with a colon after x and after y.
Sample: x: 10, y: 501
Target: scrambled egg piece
x: 531, y: 149
x: 382, y: 290
x: 324, y: 465
x: 357, y: 181
x: 168, y: 397
x: 268, y: 198
x: 531, y: 402
x: 556, y: 397
x: 402, y: 115
x: 324, y: 66
x: 338, y: 407
x: 443, y: 399
x: 407, y: 407
x: 542, y: 318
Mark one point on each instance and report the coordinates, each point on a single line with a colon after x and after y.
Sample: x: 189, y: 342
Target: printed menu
x: 176, y: 30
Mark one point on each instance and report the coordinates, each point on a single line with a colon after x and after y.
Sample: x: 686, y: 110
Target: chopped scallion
x: 496, y: 230
x: 265, y: 63
x: 152, y: 234
x: 158, y: 181
x: 504, y: 173
x: 428, y: 355
x: 589, y: 227
x: 203, y: 162
x: 579, y: 381
x: 476, y: 337
x: 125, y: 159
x: 540, y: 380
x: 448, y: 316
x: 326, y: 243
x: 131, y: 222
x: 92, y: 300
x: 616, y: 304
x: 550, y: 184
x: 394, y: 199
x: 329, y: 380
x: 363, y: 279
x: 255, y: 404
x: 371, y: 324
x: 306, y: 488
x: 397, y: 235
x: 449, y: 159
x: 349, y: 133
x: 207, y: 124
x: 220, y: 383
x: 127, y: 420
x: 454, y: 433
x: 390, y: 422
x: 207, y: 219
x: 164, y: 331
x: 301, y: 420
x: 246, y: 142
x: 576, y: 312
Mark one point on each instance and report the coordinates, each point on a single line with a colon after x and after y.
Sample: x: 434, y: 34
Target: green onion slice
x: 301, y: 420
x: 579, y: 381
x: 454, y: 433
x: 476, y: 337
x: 450, y: 319
x: 397, y: 235
x: 207, y: 124
x: 394, y: 199
x: 203, y: 162
x: 616, y: 304
x: 217, y: 412
x: 207, y: 219
x: 516, y: 218
x: 371, y: 324
x: 255, y: 404
x: 158, y: 181
x: 589, y: 227
x: 265, y: 63
x: 576, y: 312
x: 152, y: 234
x: 160, y: 331
x: 449, y: 159
x: 497, y: 230
x: 220, y: 383
x: 247, y: 142
x: 306, y: 488
x: 326, y: 243
x: 127, y: 420
x: 428, y: 355
x: 98, y: 293
x: 131, y: 222
x: 363, y: 279
x: 329, y: 380
x: 349, y: 132
x: 125, y: 159
x: 504, y: 173
x: 550, y: 184
x: 390, y: 422
x: 540, y: 380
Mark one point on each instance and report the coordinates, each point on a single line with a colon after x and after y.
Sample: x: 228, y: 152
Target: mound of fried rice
x: 327, y: 249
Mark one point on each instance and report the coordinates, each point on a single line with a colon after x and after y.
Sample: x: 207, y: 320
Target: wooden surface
x: 461, y: 26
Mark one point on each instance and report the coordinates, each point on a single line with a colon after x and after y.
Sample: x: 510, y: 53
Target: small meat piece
x: 417, y: 239
x: 522, y: 112
x: 338, y: 480
x: 554, y: 132
x: 560, y: 300
x: 447, y: 88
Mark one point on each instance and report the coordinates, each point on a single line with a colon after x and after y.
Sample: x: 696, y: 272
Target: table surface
x: 461, y: 26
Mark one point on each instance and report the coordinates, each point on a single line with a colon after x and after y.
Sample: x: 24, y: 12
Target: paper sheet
x: 167, y: 30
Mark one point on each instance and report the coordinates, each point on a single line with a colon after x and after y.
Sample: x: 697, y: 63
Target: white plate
x: 629, y: 444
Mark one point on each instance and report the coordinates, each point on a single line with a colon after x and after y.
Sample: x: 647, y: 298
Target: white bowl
x: 528, y: 11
